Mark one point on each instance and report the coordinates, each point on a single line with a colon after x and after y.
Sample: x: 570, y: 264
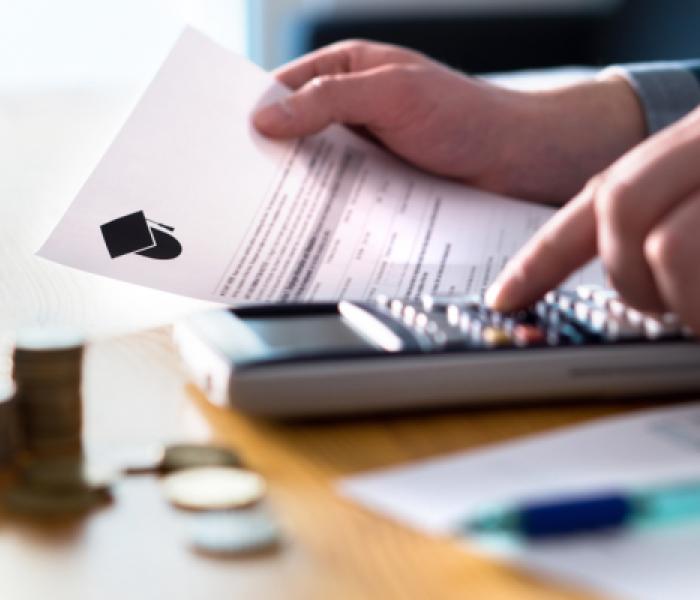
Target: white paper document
x: 646, y: 448
x: 190, y: 199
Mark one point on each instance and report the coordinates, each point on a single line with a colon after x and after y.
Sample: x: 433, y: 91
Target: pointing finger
x: 565, y: 243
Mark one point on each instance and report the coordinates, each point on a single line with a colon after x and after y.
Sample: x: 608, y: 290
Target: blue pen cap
x: 575, y: 515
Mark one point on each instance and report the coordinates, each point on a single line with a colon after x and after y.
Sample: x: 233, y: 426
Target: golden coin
x: 40, y: 503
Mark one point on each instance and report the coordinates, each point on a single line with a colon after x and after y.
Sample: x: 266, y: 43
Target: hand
x: 641, y: 216
x: 536, y: 145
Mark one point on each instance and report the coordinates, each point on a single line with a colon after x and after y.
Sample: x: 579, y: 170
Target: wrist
x: 560, y: 138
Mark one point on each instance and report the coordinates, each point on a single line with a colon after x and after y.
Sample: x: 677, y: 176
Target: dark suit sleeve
x: 667, y: 90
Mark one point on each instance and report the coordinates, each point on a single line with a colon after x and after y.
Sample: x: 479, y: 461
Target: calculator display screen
x: 316, y: 333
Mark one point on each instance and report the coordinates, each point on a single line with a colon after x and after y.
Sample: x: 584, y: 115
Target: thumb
x: 352, y: 98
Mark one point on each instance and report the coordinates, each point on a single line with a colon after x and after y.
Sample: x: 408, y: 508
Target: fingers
x: 565, y: 243
x: 615, y: 216
x: 672, y: 250
x: 638, y: 191
x: 363, y: 98
x: 344, y: 57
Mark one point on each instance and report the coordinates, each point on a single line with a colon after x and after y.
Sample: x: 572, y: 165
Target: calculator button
x: 565, y: 302
x: 661, y: 328
x: 617, y: 308
x: 586, y: 292
x: 597, y: 320
x: 621, y: 329
x: 508, y: 325
x: 431, y: 328
x: 542, y: 310
x: 635, y: 317
x: 453, y: 315
x: 465, y: 321
x: 602, y: 297
x: 582, y: 310
x: 495, y: 318
x: 427, y: 302
x: 396, y: 307
x: 528, y: 335
x: 475, y: 331
x: 439, y: 338
x: 496, y: 337
x: 421, y: 320
x: 554, y: 318
x: 409, y: 314
x: 381, y: 300
x: 551, y: 298
x: 441, y: 303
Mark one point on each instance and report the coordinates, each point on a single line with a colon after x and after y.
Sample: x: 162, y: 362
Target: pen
x: 589, y: 512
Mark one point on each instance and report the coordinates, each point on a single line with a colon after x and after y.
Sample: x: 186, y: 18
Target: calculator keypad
x: 588, y: 315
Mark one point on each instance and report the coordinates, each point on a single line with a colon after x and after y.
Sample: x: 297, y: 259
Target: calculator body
x: 319, y: 359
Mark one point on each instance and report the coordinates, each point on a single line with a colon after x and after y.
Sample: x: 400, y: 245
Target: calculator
x: 317, y: 359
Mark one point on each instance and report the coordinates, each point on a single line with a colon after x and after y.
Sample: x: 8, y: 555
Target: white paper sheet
x: 235, y: 217
x: 646, y: 448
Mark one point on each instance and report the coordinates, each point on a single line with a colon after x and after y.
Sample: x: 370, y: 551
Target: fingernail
x: 273, y: 116
x: 502, y: 293
x: 492, y: 295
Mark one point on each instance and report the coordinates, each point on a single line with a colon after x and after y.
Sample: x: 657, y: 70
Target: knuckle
x: 615, y: 201
x: 352, y: 50
x: 667, y: 250
x: 322, y: 86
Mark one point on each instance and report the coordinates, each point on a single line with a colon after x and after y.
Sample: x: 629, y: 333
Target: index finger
x: 343, y: 57
x: 565, y: 243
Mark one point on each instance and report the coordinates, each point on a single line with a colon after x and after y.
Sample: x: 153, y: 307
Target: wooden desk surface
x: 136, y: 393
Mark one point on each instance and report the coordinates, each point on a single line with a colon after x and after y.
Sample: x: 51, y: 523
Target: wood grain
x: 136, y: 394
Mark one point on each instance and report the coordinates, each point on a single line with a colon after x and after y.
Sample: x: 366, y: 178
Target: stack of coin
x: 47, y: 371
x: 9, y: 426
x: 56, y: 487
x: 224, y: 497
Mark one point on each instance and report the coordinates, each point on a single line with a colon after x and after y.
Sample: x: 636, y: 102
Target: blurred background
x: 109, y: 42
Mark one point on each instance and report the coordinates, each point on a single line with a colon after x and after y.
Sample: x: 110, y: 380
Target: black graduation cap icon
x: 135, y: 234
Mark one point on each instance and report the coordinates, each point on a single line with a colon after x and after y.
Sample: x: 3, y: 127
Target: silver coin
x: 239, y: 532
x: 213, y: 488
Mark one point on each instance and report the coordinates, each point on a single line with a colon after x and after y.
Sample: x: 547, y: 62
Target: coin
x: 10, y: 435
x: 213, y: 488
x: 186, y: 456
x: 65, y: 474
x: 47, y: 370
x: 239, y: 532
x: 40, y: 503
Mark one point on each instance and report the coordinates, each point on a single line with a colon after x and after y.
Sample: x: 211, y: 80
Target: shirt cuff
x: 667, y: 90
